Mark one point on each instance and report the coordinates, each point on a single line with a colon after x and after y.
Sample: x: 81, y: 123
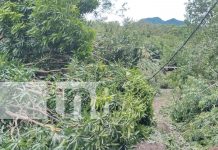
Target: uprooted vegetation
x: 128, y: 120
x: 51, y: 42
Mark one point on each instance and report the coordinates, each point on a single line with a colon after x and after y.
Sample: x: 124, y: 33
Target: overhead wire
x: 185, y: 42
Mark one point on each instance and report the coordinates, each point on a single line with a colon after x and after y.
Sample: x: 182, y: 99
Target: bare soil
x: 164, y: 125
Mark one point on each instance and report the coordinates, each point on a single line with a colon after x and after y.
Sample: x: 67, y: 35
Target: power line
x: 186, y: 41
x: 208, y: 88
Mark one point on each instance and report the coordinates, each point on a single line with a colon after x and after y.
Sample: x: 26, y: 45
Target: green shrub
x: 202, y: 131
x: 130, y: 114
x: 196, y: 97
x: 119, y: 44
x: 197, y: 112
x: 14, y: 71
x: 52, y: 31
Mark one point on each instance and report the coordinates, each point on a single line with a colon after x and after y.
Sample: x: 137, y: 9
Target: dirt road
x: 165, y: 134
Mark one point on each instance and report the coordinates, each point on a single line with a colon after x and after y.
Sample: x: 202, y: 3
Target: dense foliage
x: 196, y: 77
x: 196, y: 10
x: 50, y: 40
x: 48, y: 35
x: 14, y: 71
x: 196, y: 97
x: 130, y: 113
x: 48, y: 30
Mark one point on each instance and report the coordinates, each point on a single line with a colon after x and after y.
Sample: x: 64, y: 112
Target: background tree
x: 55, y: 30
x: 197, y: 9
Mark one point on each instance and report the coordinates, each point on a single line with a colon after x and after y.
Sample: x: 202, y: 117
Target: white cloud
x: 138, y: 9
x: 165, y: 9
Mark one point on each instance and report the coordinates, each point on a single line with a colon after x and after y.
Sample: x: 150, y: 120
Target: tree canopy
x: 33, y: 30
x: 197, y: 9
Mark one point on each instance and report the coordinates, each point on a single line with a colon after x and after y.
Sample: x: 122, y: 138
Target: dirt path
x: 165, y: 134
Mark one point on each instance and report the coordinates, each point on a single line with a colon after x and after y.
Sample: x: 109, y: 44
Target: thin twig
x: 24, y: 118
x: 51, y: 127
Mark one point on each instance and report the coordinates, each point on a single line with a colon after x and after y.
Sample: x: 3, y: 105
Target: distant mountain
x: 174, y: 21
x: 157, y: 20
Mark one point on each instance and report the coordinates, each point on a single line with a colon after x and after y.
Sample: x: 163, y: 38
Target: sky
x: 138, y: 9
